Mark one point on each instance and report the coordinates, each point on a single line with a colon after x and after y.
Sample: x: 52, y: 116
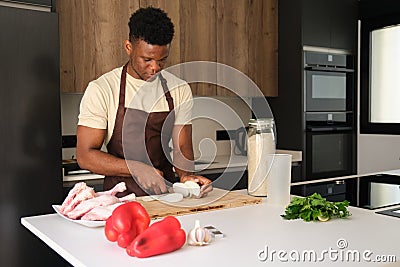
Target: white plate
x: 82, y: 222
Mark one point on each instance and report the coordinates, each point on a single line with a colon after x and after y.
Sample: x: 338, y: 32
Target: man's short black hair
x: 151, y: 25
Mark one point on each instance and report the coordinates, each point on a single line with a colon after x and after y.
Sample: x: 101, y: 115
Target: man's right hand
x: 148, y: 177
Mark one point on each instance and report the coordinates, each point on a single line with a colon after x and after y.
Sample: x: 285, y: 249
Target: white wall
x: 69, y: 113
x: 220, y: 113
x: 378, y: 153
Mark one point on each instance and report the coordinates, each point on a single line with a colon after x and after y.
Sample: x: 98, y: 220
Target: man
x: 132, y: 110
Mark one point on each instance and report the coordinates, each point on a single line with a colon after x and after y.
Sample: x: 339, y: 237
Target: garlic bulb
x: 199, y: 236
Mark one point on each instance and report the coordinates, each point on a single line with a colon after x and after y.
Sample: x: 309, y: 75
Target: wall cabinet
x: 330, y: 23
x: 240, y: 33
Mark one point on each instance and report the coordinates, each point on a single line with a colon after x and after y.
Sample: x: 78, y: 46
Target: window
x: 380, y: 76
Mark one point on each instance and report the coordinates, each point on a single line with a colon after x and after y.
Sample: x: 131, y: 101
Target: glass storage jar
x: 260, y: 143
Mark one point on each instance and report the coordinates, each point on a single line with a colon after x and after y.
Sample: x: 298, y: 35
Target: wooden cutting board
x: 216, y: 200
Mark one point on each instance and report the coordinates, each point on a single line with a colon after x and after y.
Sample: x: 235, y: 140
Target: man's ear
x: 128, y: 47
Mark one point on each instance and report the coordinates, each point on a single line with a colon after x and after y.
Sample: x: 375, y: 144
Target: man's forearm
x: 182, y: 165
x: 103, y: 163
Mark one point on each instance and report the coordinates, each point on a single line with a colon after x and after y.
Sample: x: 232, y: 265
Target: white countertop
x: 248, y: 230
x: 81, y: 177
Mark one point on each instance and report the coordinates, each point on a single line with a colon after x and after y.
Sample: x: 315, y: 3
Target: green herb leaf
x: 314, y: 208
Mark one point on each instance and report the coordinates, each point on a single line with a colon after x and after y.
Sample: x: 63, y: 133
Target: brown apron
x: 141, y: 136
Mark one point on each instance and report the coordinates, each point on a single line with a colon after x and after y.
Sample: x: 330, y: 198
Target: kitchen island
x: 255, y: 235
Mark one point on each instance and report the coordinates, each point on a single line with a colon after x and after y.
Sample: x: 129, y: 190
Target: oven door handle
x: 329, y: 129
x: 330, y: 69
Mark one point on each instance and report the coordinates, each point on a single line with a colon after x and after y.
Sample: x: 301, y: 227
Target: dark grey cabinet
x: 316, y: 23
x: 330, y: 23
x: 344, y: 24
x: 338, y: 190
x: 47, y: 3
x: 30, y: 156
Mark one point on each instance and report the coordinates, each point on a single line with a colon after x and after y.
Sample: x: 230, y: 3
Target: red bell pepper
x: 161, y: 237
x: 126, y: 222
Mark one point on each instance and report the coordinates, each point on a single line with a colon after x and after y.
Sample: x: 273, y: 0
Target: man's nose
x: 155, y: 66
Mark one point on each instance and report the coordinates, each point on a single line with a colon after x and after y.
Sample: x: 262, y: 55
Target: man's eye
x: 147, y: 60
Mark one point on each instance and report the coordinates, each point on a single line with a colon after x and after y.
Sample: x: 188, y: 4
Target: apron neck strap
x: 166, y: 92
x: 164, y: 85
x: 122, y: 86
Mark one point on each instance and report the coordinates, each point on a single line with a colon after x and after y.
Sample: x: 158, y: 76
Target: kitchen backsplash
x: 217, y: 113
x: 69, y: 119
x: 210, y: 114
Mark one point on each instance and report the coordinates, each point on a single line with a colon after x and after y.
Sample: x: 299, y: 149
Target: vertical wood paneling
x: 263, y: 45
x: 111, y: 30
x: 242, y: 34
x: 232, y: 40
x: 65, y: 11
x: 198, y: 39
x: 91, y: 39
x: 172, y: 8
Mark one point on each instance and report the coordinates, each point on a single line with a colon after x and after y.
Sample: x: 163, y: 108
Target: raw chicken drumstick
x: 99, y: 201
x: 81, y: 193
x: 100, y: 213
x: 118, y: 188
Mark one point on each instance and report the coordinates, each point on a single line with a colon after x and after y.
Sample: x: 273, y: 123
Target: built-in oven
x: 329, y: 108
x: 330, y: 145
x: 328, y: 81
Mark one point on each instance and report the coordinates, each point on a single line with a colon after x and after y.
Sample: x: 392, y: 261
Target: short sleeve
x: 93, y: 108
x: 183, y: 109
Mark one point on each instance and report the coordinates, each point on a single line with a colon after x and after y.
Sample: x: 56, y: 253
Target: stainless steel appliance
x: 329, y: 104
x: 378, y: 191
x: 30, y: 155
x: 315, y: 112
x: 328, y: 81
x: 330, y: 145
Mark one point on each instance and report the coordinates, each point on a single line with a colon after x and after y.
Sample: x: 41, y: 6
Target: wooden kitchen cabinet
x: 198, y: 40
x: 247, y: 39
x: 240, y: 33
x: 92, y: 33
x: 91, y: 39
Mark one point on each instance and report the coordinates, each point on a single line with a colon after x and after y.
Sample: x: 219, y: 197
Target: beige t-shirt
x: 99, y: 103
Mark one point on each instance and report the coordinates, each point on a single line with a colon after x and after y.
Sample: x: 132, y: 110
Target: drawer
x: 325, y: 189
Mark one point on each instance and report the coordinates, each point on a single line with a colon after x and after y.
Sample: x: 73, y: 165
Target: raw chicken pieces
x: 100, y: 213
x: 82, y: 202
x: 77, y: 194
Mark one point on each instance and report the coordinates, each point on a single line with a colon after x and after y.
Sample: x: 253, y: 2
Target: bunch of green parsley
x: 315, y: 208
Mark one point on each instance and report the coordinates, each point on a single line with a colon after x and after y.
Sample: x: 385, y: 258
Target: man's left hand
x: 205, y: 184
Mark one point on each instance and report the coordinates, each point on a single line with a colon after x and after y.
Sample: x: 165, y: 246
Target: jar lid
x: 262, y: 122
